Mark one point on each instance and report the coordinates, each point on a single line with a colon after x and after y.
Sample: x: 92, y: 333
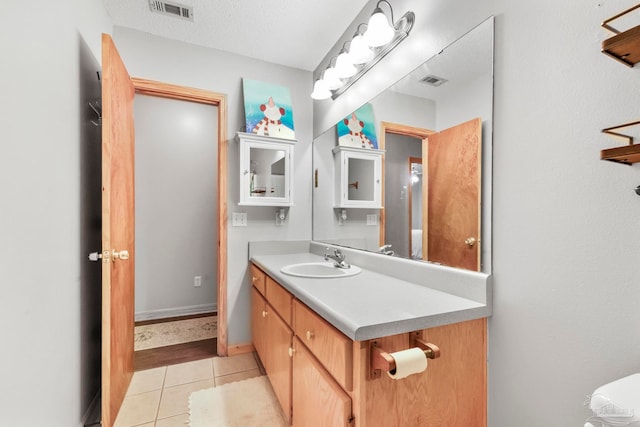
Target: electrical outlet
x: 372, y: 219
x: 197, y: 281
x: 239, y: 219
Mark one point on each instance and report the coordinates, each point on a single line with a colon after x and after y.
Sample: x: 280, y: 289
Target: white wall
x: 156, y: 58
x: 176, y: 154
x: 43, y: 122
x: 565, y: 224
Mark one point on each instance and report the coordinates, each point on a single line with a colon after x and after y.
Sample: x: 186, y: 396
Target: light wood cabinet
x: 258, y: 279
x: 272, y: 338
x: 318, y: 400
x: 332, y: 348
x: 328, y: 382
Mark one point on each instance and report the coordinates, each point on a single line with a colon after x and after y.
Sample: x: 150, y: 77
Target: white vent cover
x: 433, y: 80
x: 169, y: 8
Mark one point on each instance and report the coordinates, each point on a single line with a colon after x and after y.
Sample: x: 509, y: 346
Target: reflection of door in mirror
x: 448, y: 230
x: 400, y: 143
x: 452, y: 193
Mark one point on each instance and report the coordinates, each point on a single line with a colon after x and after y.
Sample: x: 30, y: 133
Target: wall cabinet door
x: 266, y: 170
x: 318, y: 401
x: 358, y: 177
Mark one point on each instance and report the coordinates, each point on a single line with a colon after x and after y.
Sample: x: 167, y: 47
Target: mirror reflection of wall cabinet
x: 358, y: 177
x: 266, y: 170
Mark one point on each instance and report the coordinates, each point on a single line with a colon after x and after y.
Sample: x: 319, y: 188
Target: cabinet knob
x: 470, y: 241
x: 310, y: 335
x: 264, y: 313
x: 254, y: 279
x: 291, y: 351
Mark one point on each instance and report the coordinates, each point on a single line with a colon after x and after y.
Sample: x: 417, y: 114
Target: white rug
x: 176, y: 332
x: 248, y: 403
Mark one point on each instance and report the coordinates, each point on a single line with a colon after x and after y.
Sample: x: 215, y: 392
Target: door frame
x: 399, y: 129
x: 184, y: 93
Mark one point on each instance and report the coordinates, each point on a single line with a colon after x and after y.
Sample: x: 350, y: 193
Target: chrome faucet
x: 337, y: 256
x: 385, y: 250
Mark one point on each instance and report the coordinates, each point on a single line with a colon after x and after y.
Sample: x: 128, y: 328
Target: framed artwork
x: 358, y: 129
x: 267, y: 109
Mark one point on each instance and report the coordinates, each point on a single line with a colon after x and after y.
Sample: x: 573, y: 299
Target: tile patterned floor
x: 160, y: 397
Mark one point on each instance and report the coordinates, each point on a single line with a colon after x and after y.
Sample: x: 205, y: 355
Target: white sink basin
x: 319, y: 270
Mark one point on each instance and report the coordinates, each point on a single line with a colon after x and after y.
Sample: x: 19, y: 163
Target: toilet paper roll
x: 408, y: 362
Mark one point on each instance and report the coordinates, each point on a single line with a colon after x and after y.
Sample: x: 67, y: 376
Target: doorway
x: 175, y: 92
x: 402, y: 144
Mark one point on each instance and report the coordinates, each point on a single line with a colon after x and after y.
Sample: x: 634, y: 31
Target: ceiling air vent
x: 433, y: 80
x: 176, y: 10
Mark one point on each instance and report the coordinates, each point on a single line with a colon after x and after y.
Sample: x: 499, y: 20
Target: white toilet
x: 616, y: 403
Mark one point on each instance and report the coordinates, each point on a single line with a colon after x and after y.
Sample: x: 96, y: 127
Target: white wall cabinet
x: 358, y: 180
x: 266, y: 170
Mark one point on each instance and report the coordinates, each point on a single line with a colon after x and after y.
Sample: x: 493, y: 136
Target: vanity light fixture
x: 365, y: 50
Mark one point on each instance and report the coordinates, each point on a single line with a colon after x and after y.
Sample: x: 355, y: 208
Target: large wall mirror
x: 434, y: 128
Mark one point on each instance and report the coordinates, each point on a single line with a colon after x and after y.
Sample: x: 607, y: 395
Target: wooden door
x: 452, y: 192
x: 318, y: 401
x: 117, y: 231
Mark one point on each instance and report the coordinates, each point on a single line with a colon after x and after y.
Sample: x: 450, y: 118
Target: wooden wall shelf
x: 625, y: 45
x: 627, y: 154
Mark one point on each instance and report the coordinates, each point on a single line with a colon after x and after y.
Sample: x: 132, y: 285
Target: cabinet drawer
x: 258, y: 279
x: 279, y: 299
x: 330, y: 346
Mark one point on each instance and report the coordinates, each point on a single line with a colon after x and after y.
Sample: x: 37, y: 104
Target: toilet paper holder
x: 381, y: 361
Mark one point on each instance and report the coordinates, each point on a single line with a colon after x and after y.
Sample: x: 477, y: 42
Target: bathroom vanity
x: 316, y: 339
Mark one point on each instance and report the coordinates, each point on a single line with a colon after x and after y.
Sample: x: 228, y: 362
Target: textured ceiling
x: 293, y: 33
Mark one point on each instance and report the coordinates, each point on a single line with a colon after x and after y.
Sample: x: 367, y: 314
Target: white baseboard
x: 175, y: 312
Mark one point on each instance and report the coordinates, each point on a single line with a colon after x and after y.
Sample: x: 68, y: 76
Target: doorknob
x: 107, y: 256
x: 470, y: 241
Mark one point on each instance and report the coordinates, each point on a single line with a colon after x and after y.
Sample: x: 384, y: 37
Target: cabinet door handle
x: 264, y: 313
x: 310, y: 335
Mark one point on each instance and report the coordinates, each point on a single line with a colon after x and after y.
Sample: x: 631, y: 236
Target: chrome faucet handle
x: 384, y: 248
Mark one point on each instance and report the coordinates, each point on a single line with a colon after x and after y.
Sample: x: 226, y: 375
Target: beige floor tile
x: 175, y: 400
x: 189, y: 372
x: 138, y: 409
x: 181, y: 420
x: 233, y: 364
x: 148, y: 380
x: 238, y: 376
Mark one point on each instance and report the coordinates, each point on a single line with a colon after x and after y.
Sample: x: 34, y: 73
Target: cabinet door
x: 358, y: 178
x: 266, y: 170
x: 258, y: 323
x: 318, y: 401
x: 278, y: 362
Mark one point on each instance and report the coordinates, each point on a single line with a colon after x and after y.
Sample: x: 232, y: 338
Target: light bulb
x: 359, y: 52
x: 331, y: 79
x: 344, y: 68
x: 320, y: 90
x: 379, y: 32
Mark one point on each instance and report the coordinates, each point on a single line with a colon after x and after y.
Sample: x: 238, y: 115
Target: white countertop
x: 370, y: 304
